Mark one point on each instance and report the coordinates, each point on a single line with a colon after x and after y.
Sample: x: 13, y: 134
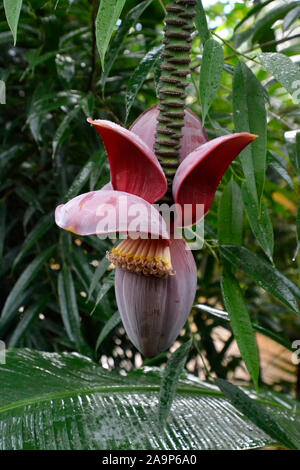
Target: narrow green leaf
x: 284, y: 70
x: 12, y: 11
x: 278, y: 165
x: 120, y: 36
x: 201, y: 23
x: 80, y: 180
x: 224, y: 317
x: 108, y: 13
x: 41, y: 228
x: 264, y: 274
x: 241, y: 323
x: 266, y: 22
x: 256, y: 413
x: 35, y: 58
x: 231, y: 215
x: 63, y: 130
x: 26, y: 193
x: 210, y: 74
x: 22, y: 299
x: 139, y: 76
x: 43, y: 102
x: 68, y: 307
x: 252, y: 12
x: 74, y: 33
x: 28, y: 317
x: 87, y: 104
x: 96, y: 161
x: 109, y: 326
x: 260, y: 222
x: 250, y: 116
x: 26, y: 278
x: 106, y: 286
x: 99, y: 272
x: 172, y: 372
x: 81, y: 264
x: 291, y: 17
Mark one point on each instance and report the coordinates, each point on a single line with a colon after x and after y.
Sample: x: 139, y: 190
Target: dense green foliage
x: 57, y: 288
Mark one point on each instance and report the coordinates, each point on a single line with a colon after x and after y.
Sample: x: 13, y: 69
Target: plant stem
x: 172, y: 84
x: 162, y: 5
x: 268, y: 43
x: 233, y: 49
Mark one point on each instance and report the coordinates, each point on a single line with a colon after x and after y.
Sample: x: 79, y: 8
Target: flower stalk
x: 174, y: 70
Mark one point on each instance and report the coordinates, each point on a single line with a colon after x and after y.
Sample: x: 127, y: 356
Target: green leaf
x: 35, y: 58
x: 43, y: 102
x: 241, y: 323
x: 26, y: 193
x: 73, y: 403
x: 64, y: 130
x: 278, y: 165
x: 224, y: 317
x: 231, y: 215
x: 69, y: 309
x: 260, y: 222
x: 258, y: 415
x: 25, y: 279
x: 266, y: 22
x: 270, y: 18
x: 264, y: 274
x: 99, y: 272
x: 252, y: 12
x: 284, y: 71
x: 120, y: 36
x: 41, y: 228
x: 201, y: 23
x: 108, y: 13
x: 12, y: 11
x: 210, y: 74
x: 250, y: 116
x: 106, y: 286
x: 28, y: 317
x: 169, y: 383
x: 93, y: 164
x: 109, y: 326
x: 139, y: 76
x: 291, y: 17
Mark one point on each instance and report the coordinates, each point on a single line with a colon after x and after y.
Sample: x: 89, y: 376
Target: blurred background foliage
x: 56, y: 288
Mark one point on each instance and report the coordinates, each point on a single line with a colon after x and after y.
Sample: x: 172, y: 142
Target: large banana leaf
x: 66, y: 401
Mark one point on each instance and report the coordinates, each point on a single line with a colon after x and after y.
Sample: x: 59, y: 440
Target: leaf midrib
x: 121, y: 389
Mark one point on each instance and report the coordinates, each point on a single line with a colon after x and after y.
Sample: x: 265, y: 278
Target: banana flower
x: 156, y: 274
